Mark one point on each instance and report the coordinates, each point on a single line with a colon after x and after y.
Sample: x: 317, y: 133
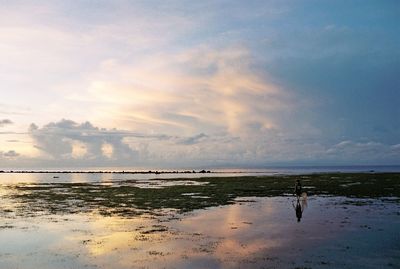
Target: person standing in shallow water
x: 297, y: 188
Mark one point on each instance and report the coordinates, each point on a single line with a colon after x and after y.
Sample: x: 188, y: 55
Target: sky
x: 190, y: 84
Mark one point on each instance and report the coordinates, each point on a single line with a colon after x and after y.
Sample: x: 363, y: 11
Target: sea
x: 98, y: 175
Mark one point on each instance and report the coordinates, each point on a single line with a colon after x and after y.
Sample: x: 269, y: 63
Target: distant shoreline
x: 110, y: 172
x: 190, y: 172
x: 279, y: 170
x: 269, y: 171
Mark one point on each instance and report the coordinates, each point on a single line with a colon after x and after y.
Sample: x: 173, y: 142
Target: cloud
x: 364, y: 151
x: 193, y: 139
x: 67, y: 143
x: 71, y: 142
x: 10, y: 154
x: 203, y: 90
x: 5, y: 122
x: 67, y: 139
x: 356, y: 148
x: 178, y: 93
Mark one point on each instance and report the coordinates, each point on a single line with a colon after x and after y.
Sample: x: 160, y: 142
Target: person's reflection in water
x: 299, y: 210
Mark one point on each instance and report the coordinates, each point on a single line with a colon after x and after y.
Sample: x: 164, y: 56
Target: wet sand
x: 182, y: 224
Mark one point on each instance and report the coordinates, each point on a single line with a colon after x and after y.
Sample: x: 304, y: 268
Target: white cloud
x: 47, y: 49
x: 203, y: 90
x: 363, y: 151
x: 66, y: 139
x: 66, y: 143
x: 107, y: 150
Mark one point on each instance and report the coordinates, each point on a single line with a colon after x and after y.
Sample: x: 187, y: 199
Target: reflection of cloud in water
x: 111, y: 234
x: 240, y: 230
x: 246, y: 234
x: 115, y: 242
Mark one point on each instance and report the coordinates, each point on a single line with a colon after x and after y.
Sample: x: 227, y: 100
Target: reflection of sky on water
x: 249, y: 234
x: 7, y: 178
x: 10, y: 178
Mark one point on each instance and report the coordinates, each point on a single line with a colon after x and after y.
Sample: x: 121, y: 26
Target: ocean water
x: 50, y: 177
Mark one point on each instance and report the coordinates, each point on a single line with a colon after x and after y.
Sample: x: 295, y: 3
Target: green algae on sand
x: 131, y: 197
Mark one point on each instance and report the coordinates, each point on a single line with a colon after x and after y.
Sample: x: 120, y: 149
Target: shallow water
x: 254, y: 232
x: 11, y: 178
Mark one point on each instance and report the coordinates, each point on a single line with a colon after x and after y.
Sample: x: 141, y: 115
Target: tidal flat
x: 347, y: 221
